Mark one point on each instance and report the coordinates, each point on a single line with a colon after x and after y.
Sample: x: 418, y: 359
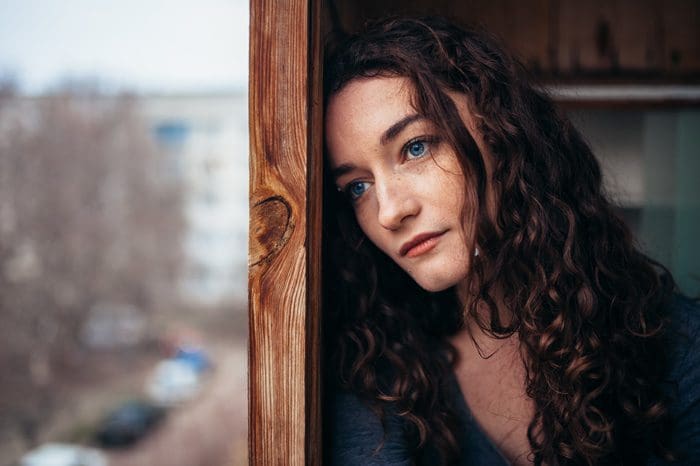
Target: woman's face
x: 405, y: 183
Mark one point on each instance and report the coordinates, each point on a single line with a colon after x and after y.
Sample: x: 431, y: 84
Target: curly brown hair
x: 589, y: 308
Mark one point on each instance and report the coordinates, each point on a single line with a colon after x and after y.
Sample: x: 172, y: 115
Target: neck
x: 475, y: 340
x: 466, y: 296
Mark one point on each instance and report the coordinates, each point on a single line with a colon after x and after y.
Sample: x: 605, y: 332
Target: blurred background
x: 123, y: 232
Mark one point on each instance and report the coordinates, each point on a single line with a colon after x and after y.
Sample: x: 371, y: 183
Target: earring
x: 476, y: 251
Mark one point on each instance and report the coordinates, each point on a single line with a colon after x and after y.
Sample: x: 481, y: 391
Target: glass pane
x: 651, y: 165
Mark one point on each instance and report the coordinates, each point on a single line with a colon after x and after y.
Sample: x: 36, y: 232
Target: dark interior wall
x: 622, y: 40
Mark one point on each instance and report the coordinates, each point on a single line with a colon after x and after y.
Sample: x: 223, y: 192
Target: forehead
x: 386, y: 89
x: 366, y: 107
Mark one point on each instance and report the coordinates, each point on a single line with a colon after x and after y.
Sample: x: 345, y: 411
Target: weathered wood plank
x: 285, y: 234
x: 618, y: 39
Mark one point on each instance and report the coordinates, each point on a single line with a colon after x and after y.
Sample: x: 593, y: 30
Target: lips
x: 420, y: 244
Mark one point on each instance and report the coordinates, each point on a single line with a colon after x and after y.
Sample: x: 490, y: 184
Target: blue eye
x: 416, y: 149
x: 356, y: 189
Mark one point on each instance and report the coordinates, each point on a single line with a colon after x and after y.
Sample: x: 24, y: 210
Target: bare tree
x: 86, y: 216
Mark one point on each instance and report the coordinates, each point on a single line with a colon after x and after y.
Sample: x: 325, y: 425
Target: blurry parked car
x: 173, y: 381
x: 129, y: 423
x: 196, y: 357
x: 63, y: 454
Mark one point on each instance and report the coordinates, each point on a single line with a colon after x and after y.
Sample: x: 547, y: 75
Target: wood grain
x: 285, y: 232
x: 628, y: 40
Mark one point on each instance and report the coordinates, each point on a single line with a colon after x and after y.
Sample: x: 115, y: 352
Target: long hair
x: 589, y: 309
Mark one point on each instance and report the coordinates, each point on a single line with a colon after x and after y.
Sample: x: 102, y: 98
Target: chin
x: 441, y: 281
x: 440, y: 271
x: 434, y: 287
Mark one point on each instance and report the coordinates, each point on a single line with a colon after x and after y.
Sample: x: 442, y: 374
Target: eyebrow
x: 341, y: 170
x: 399, y: 126
x: 391, y: 133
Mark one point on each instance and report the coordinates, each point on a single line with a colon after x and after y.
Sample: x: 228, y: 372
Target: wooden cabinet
x: 569, y: 39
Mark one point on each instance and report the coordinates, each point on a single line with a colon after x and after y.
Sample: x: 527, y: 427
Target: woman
x: 486, y: 304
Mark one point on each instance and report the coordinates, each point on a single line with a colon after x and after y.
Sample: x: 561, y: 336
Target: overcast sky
x: 146, y: 45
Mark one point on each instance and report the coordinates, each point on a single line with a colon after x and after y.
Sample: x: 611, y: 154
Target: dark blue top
x: 356, y: 432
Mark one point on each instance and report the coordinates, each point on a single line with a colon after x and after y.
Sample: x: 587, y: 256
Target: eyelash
x: 426, y: 140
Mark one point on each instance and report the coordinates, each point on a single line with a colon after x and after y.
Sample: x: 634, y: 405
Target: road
x: 207, y: 431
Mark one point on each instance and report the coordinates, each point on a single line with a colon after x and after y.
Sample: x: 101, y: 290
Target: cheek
x: 448, y: 193
x: 453, y: 185
x: 367, y: 220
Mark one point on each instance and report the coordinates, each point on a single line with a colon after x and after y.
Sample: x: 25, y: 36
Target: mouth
x: 420, y: 244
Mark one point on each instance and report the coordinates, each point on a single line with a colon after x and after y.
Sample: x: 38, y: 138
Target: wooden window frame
x: 285, y: 110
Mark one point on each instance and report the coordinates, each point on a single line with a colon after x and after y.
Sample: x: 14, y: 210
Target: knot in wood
x: 271, y: 226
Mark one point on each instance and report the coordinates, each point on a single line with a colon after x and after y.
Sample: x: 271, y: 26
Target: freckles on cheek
x: 362, y: 221
x: 369, y: 226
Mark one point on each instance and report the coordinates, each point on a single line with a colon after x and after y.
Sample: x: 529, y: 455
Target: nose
x: 396, y: 204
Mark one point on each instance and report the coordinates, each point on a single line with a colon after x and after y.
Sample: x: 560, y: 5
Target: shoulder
x: 359, y: 437
x: 684, y: 341
x: 684, y: 380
